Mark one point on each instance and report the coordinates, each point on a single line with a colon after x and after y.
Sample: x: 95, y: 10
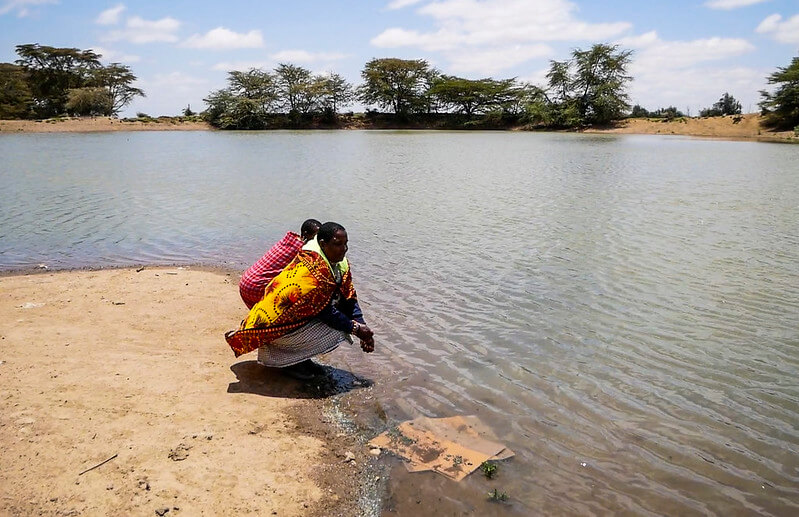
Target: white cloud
x: 517, y: 21
x: 681, y: 74
x: 783, y: 31
x: 491, y: 61
x: 731, y: 4
x: 303, y: 56
x: 652, y: 53
x: 694, y: 89
x: 225, y: 39
x: 399, y: 4
x: 22, y: 7
x: 646, y: 39
x: 139, y: 30
x: 285, y: 56
x: 688, y: 89
x: 432, y: 41
x: 112, y: 56
x: 498, y: 22
x: 769, y: 24
x: 110, y: 16
x: 536, y: 77
x: 174, y: 81
x: 169, y: 94
x: 501, y: 33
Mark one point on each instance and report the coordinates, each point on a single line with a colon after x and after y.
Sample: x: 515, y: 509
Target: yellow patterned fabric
x: 291, y: 300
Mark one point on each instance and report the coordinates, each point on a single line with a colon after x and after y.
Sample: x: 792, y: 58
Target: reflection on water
x: 623, y: 311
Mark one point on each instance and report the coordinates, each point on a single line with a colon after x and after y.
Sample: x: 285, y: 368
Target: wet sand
x: 121, y: 397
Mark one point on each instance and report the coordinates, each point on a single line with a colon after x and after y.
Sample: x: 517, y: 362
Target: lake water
x: 623, y: 311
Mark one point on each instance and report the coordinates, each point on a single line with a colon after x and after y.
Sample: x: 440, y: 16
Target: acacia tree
x: 467, y: 96
x: 89, y: 101
x: 726, y: 105
x: 428, y: 103
x: 599, y: 81
x: 53, y: 71
x: 15, y: 94
x: 589, y: 88
x: 669, y: 113
x: 511, y: 97
x: 295, y: 87
x: 781, y: 108
x: 400, y: 85
x: 54, y: 75
x: 221, y: 108
x: 336, y: 92
x: 560, y: 81
x: 117, y: 80
x: 639, y: 111
x: 247, y: 101
x: 556, y: 105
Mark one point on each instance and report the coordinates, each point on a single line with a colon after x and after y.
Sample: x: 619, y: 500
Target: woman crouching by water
x: 308, y: 309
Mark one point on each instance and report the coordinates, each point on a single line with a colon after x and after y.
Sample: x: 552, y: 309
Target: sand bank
x: 131, y: 367
x: 92, y: 125
x: 744, y: 127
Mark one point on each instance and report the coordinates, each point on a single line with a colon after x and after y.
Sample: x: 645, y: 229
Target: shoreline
x: 97, y: 125
x: 736, y: 128
x: 105, y: 364
x: 733, y: 128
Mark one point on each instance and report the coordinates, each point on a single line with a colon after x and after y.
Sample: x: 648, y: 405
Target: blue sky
x: 687, y: 53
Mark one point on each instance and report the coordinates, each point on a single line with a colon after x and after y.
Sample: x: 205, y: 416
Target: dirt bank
x: 91, y: 125
x: 742, y: 127
x: 119, y: 396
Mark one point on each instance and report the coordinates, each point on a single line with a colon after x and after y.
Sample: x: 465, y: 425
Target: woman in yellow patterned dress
x: 308, y: 309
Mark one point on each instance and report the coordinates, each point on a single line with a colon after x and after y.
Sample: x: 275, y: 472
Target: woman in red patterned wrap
x: 308, y: 309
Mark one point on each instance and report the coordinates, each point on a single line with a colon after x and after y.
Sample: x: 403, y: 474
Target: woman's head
x: 332, y: 238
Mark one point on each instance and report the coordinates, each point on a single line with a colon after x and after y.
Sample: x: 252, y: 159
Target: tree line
x: 726, y: 105
x: 588, y: 88
x: 50, y: 81
x: 253, y: 98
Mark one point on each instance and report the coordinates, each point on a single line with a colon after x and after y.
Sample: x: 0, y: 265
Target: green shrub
x: 489, y: 469
x: 497, y: 496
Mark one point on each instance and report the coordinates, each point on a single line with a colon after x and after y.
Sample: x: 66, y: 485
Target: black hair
x: 328, y: 230
x: 309, y: 226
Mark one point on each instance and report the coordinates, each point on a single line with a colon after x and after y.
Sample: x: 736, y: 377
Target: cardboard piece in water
x: 453, y: 446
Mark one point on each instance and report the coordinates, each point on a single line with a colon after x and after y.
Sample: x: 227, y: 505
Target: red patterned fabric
x: 297, y: 294
x: 254, y: 281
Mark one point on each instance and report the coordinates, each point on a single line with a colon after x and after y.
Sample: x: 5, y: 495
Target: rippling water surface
x: 623, y: 311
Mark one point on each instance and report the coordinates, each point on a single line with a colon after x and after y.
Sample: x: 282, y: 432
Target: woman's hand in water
x: 368, y: 345
x: 366, y: 335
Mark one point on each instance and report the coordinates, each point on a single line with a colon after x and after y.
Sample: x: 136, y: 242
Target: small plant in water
x: 497, y: 496
x: 489, y: 469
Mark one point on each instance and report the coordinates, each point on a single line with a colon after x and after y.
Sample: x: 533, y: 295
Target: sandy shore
x: 92, y: 125
x: 129, y: 367
x: 745, y: 127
